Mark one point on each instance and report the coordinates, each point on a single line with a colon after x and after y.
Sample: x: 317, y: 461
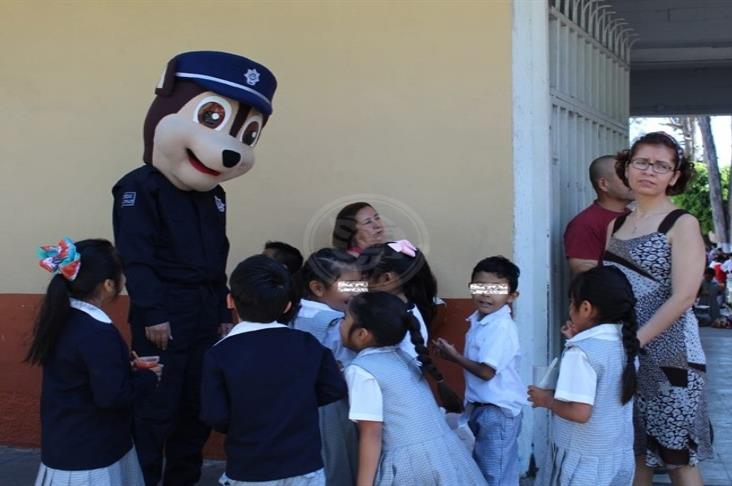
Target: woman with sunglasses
x: 660, y: 249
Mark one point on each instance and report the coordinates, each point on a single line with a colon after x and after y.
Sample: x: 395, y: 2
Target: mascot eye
x: 212, y: 112
x: 211, y: 115
x: 251, y: 133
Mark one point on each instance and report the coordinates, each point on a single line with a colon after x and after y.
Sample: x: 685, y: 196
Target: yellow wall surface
x: 408, y: 103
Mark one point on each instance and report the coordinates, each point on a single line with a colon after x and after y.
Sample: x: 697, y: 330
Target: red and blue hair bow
x: 62, y: 258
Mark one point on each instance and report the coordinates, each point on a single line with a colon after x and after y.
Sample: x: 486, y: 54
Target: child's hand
x: 446, y: 350
x: 540, y: 397
x: 151, y: 363
x: 568, y: 330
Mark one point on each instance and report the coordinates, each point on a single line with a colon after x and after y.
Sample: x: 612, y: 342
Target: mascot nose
x: 230, y: 158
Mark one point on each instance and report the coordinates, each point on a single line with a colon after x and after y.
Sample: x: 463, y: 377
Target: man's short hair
x: 598, y: 170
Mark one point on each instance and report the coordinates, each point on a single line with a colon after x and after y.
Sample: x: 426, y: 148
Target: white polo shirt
x: 493, y: 341
x: 246, y: 326
x: 90, y: 309
x: 577, y: 380
x: 364, y: 393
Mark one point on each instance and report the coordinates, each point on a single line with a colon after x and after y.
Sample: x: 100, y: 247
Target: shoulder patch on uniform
x: 220, y: 204
x: 128, y: 199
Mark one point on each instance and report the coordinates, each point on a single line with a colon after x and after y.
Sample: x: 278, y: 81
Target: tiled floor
x: 718, y: 347
x: 18, y: 466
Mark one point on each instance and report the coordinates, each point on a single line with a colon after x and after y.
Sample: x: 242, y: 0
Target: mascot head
x: 208, y: 114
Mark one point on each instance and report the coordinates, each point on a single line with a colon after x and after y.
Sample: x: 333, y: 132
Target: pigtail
x: 421, y: 288
x: 632, y: 347
x: 50, y: 320
x: 449, y: 398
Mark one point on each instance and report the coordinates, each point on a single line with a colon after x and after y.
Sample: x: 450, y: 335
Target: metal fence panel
x: 589, y: 86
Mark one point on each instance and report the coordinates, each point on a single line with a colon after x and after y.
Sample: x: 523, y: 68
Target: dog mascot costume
x: 169, y: 227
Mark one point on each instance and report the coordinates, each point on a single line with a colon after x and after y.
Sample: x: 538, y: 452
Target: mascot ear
x: 167, y: 80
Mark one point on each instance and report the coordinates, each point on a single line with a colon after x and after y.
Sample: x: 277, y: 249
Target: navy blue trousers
x: 166, y: 423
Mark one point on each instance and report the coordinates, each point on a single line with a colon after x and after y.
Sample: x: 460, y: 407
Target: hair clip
x: 62, y: 258
x: 404, y: 246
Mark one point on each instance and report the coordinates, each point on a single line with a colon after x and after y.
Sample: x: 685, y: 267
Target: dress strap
x: 670, y: 219
x: 618, y: 223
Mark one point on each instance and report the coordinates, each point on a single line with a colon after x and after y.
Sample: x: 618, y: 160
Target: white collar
x: 502, y: 313
x: 245, y: 326
x: 308, y: 308
x: 605, y: 332
x: 90, y: 309
x: 374, y: 350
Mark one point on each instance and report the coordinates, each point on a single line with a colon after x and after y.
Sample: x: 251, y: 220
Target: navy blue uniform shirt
x: 262, y: 386
x: 169, y: 239
x: 87, y: 394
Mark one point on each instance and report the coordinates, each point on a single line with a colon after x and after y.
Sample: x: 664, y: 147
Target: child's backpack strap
x: 618, y: 223
x: 670, y: 219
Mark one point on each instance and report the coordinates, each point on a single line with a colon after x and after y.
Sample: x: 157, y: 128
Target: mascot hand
x: 159, y: 335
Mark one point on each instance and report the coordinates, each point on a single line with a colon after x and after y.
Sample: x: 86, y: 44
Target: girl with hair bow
x: 88, y: 383
x: 399, y: 268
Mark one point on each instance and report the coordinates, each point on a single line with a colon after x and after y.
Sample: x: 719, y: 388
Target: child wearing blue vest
x: 592, y: 404
x: 401, y: 269
x: 404, y: 438
x: 263, y: 383
x: 89, y: 385
x: 322, y: 309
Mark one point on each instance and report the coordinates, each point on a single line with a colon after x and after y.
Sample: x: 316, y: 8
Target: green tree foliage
x: 696, y: 198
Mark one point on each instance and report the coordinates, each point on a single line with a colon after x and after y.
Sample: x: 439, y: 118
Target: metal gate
x: 589, y: 53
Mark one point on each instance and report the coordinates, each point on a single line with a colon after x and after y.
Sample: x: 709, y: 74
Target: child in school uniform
x: 404, y: 438
x: 592, y: 404
x: 399, y: 268
x: 89, y: 385
x: 263, y: 383
x: 286, y: 254
x: 322, y: 309
x: 291, y: 258
x: 494, y: 390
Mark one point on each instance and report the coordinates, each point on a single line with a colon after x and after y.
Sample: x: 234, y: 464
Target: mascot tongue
x: 198, y: 165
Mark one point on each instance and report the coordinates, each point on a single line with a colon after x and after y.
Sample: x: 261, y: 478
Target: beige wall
x: 407, y: 100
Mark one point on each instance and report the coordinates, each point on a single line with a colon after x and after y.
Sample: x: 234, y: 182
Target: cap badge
x: 252, y: 76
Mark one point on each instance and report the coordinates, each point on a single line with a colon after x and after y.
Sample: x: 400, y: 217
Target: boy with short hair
x: 263, y: 383
x: 494, y: 390
x: 291, y: 258
x: 286, y: 254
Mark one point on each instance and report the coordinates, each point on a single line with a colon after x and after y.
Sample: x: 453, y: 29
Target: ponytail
x: 449, y: 398
x: 50, y: 320
x: 631, y: 346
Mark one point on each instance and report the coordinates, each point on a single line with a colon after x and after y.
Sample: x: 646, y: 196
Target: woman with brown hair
x: 357, y: 227
x: 659, y: 248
